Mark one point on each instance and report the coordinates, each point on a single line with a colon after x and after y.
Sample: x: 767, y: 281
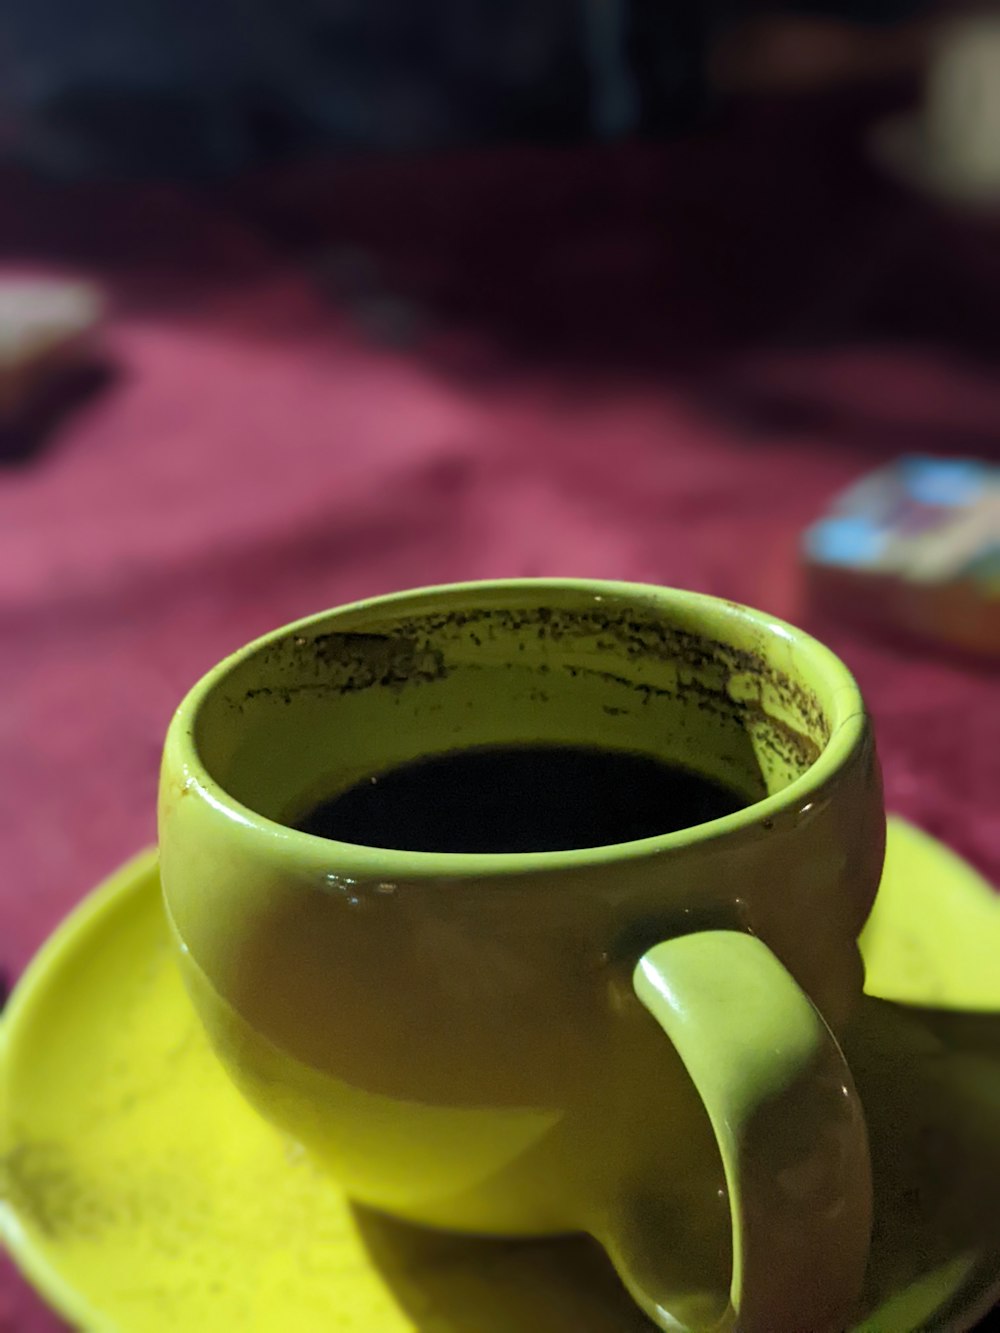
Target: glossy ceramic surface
x: 141, y: 1194
x: 459, y: 1038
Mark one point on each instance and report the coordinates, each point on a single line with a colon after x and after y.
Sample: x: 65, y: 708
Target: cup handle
x: 790, y: 1131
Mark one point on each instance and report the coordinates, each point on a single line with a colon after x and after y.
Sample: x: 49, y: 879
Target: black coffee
x: 525, y: 798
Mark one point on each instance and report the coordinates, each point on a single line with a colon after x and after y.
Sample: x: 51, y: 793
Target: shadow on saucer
x: 455, y: 1284
x: 930, y: 1083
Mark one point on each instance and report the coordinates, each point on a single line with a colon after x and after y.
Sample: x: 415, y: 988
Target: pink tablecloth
x: 648, y: 364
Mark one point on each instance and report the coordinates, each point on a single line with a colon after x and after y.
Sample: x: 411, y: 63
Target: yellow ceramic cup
x: 634, y: 1040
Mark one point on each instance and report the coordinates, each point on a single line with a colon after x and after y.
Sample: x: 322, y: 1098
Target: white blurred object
x: 951, y: 148
x: 48, y: 327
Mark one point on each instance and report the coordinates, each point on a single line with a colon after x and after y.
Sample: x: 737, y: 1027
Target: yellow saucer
x: 140, y: 1194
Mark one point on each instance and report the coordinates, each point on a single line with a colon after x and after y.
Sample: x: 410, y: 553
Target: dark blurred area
x: 364, y: 295
x: 196, y: 89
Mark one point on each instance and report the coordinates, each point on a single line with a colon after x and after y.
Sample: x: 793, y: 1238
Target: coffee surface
x: 525, y: 798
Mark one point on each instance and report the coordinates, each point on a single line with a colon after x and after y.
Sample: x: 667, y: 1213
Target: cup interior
x: 310, y: 710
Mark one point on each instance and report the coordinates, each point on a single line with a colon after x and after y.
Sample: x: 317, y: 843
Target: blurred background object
x: 49, y: 357
x: 950, y: 146
x: 914, y: 549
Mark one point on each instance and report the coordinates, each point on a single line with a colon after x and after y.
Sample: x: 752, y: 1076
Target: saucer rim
x: 129, y: 880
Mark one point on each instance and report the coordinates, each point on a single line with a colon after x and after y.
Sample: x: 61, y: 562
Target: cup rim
x: 844, y: 708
